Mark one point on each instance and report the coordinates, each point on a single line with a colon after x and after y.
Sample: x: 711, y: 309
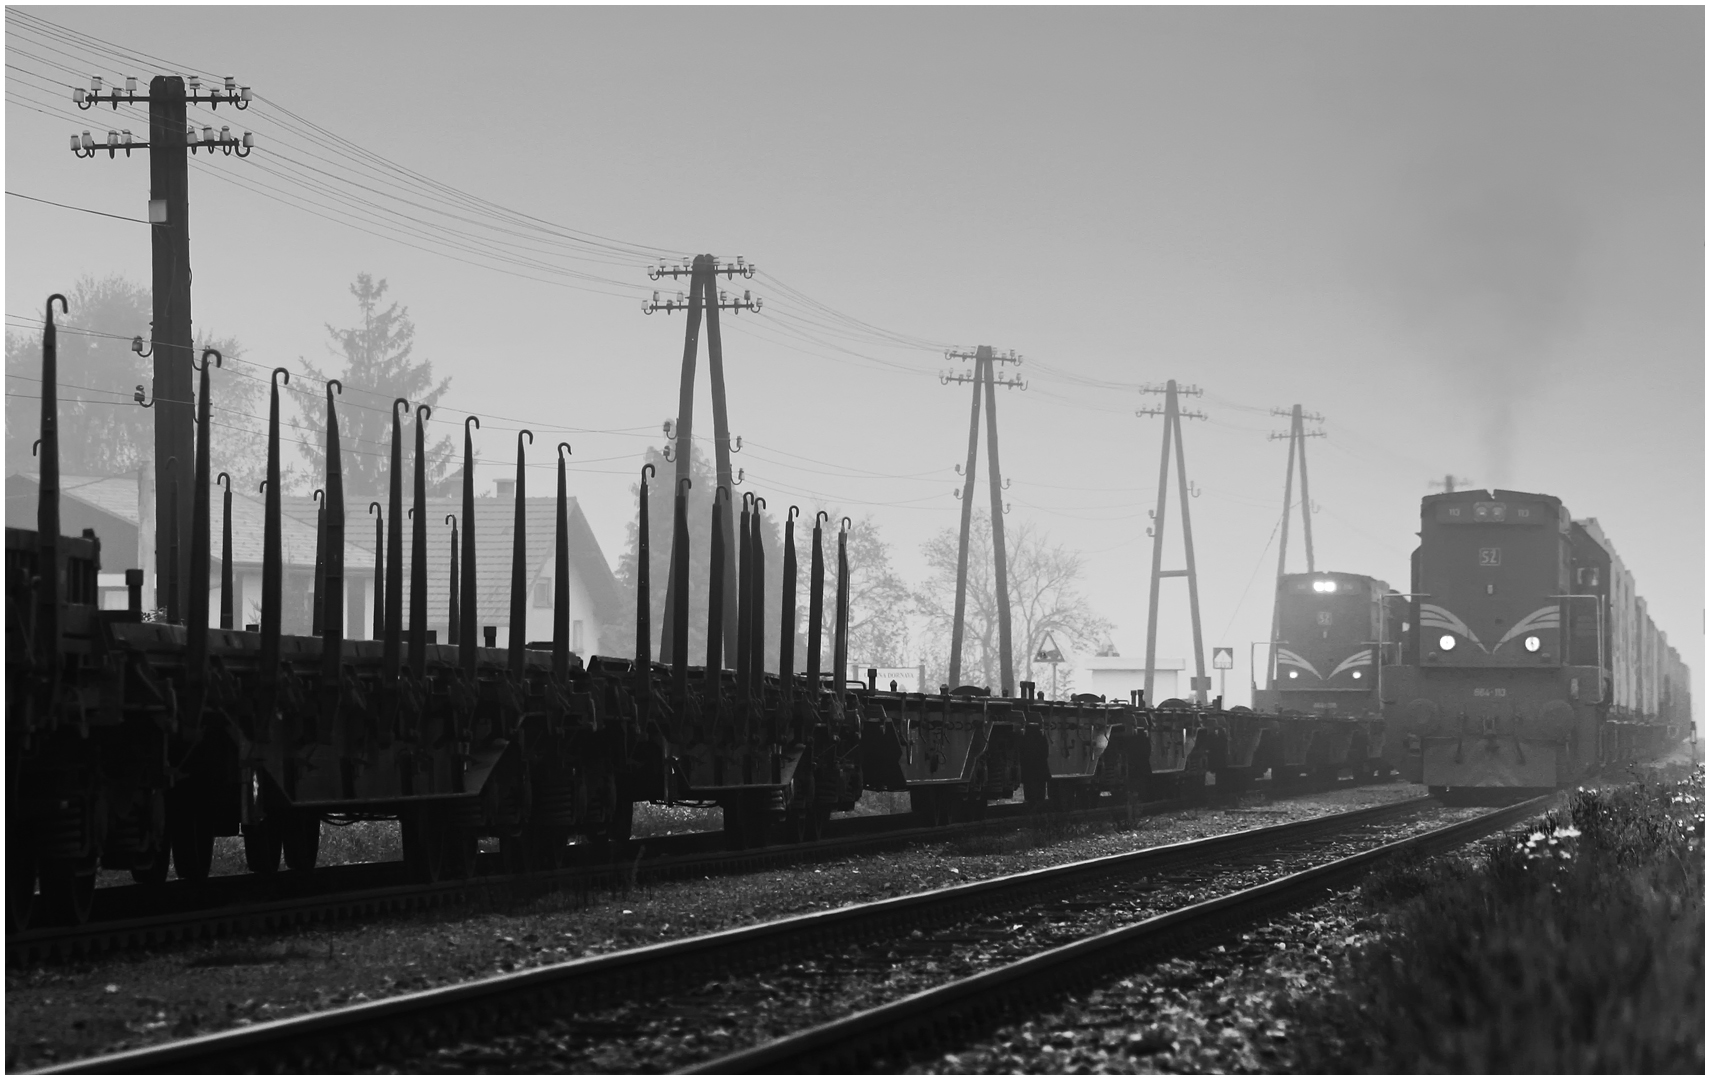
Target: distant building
x: 115, y: 507
x: 1115, y: 676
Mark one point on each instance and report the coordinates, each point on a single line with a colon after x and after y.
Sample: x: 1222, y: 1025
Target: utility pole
x: 1172, y: 414
x: 983, y: 376
x: 1296, y: 436
x: 704, y: 295
x: 173, y: 341
x: 1450, y: 482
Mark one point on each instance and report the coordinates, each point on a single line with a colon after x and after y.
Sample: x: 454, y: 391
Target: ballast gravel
x: 746, y: 1009
x: 57, y: 1012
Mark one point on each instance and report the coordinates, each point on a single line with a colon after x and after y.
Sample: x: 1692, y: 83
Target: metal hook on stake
x: 218, y: 360
x: 564, y: 446
x: 450, y: 519
x: 646, y: 470
x: 847, y: 525
x: 423, y: 412
x: 821, y: 514
x: 684, y: 480
x: 227, y: 477
x: 400, y: 401
x: 758, y: 503
x: 374, y: 508
x: 794, y: 511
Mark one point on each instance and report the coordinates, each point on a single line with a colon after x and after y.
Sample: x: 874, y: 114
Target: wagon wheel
x: 190, y: 834
x: 301, y: 839
x: 458, y: 850
x: 263, y: 843
x: 68, y: 891
x: 150, y: 867
x: 21, y: 874
x: 424, y: 853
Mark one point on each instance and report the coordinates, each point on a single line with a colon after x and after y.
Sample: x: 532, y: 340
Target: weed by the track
x: 1578, y: 947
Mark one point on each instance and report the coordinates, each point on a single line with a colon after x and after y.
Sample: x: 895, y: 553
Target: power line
x: 68, y: 206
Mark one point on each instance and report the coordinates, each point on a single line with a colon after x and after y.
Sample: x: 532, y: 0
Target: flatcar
x: 1529, y: 659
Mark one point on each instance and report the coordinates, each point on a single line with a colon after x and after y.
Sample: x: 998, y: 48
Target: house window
x: 543, y: 594
x: 576, y: 636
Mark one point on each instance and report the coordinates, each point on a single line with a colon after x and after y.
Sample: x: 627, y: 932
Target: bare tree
x: 102, y: 431
x: 1044, y: 599
x: 879, y: 600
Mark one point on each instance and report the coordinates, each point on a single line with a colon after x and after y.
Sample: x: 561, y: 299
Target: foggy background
x: 1471, y: 238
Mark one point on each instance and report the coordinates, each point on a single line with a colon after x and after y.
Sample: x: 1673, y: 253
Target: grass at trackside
x: 1577, y: 948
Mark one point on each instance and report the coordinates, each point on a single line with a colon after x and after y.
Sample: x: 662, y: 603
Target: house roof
x: 494, y: 527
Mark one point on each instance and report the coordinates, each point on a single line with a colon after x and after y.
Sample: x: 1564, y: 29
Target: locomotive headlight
x: 1533, y: 644
x: 1323, y: 586
x: 1294, y: 674
x: 1359, y: 674
x: 1446, y: 642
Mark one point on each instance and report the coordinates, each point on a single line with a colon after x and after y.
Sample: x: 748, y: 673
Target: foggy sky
x: 1472, y: 238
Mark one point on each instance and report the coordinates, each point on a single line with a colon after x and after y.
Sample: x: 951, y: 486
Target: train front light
x: 1323, y: 586
x: 1446, y: 642
x: 1533, y: 643
x: 1294, y: 674
x: 1359, y: 674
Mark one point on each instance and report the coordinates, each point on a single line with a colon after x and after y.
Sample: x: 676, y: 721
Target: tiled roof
x: 494, y: 525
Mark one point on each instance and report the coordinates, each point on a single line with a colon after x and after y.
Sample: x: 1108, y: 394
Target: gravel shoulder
x: 62, y: 1011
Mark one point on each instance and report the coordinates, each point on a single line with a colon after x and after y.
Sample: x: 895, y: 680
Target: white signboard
x: 1222, y: 659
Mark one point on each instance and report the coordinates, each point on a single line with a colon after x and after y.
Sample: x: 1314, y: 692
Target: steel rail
x: 208, y: 921
x: 888, y: 1032
x: 372, y: 1032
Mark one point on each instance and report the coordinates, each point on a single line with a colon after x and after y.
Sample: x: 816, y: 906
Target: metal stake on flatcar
x: 840, y: 646
x: 227, y: 600
x: 466, y: 639
x: 519, y: 568
x: 715, y: 608
x: 316, y: 607
x: 272, y: 566
x: 454, y: 619
x: 680, y: 589
x: 816, y: 607
x: 196, y: 627
x: 332, y: 618
x: 419, y: 553
x: 643, y: 601
x: 757, y: 614
x: 47, y: 516
x: 787, y: 614
x: 744, y: 613
x: 379, y: 624
x: 561, y: 578
x: 391, y: 649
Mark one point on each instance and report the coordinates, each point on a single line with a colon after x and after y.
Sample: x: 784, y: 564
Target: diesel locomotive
x: 1527, y: 658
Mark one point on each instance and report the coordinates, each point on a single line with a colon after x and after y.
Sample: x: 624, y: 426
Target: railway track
x: 396, y: 1032
x: 887, y: 1037
x: 241, y: 904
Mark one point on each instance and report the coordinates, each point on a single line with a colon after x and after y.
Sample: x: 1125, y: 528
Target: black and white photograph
x: 855, y: 539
